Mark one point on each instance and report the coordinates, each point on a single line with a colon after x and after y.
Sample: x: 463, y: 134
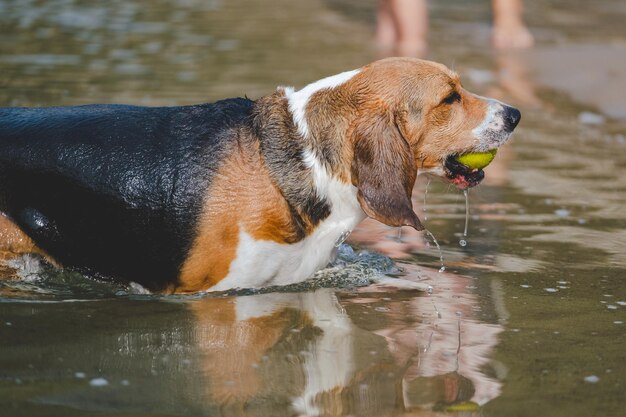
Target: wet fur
x: 154, y: 195
x: 114, y: 190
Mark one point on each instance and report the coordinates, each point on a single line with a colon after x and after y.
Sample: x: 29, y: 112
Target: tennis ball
x: 477, y: 160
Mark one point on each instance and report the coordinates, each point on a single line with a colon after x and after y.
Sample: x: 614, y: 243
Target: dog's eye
x: 451, y: 98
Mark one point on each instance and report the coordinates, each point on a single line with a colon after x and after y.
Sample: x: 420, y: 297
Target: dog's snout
x: 512, y: 117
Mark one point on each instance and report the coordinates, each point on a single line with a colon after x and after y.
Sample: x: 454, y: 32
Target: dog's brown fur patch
x: 242, y: 195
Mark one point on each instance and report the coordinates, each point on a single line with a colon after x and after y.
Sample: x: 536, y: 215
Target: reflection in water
x: 514, y: 80
x: 325, y: 353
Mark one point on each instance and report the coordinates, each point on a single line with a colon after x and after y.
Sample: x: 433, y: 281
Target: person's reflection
x: 328, y: 353
x: 513, y: 83
x: 513, y: 80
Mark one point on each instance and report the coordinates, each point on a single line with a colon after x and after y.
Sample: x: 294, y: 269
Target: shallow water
x: 528, y: 317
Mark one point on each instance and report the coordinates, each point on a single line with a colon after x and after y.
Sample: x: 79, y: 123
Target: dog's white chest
x: 262, y: 263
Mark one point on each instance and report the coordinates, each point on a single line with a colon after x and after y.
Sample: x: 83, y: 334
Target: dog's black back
x: 114, y: 188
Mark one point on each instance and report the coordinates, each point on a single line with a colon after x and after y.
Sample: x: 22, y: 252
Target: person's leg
x: 509, y: 30
x: 386, y: 34
x: 411, y: 21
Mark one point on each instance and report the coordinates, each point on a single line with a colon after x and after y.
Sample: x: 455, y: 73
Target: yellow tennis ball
x: 477, y: 160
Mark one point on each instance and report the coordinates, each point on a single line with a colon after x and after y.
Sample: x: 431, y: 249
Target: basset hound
x: 236, y: 193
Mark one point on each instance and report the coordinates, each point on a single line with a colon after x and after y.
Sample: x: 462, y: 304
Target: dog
x: 236, y: 193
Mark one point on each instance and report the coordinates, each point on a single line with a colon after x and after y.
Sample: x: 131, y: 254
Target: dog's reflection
x: 332, y: 353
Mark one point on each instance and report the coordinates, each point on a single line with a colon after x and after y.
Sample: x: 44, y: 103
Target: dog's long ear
x: 384, y: 171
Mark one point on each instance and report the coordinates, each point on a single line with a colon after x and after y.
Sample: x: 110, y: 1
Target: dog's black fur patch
x: 114, y: 189
x: 283, y: 148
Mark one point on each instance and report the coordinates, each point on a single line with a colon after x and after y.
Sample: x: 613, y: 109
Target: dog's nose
x: 512, y: 117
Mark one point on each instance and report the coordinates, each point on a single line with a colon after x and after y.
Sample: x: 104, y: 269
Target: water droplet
x: 592, y: 379
x: 550, y: 289
x: 425, y: 194
x: 466, y: 194
x: 344, y: 235
x: 399, y: 237
x: 463, y: 242
x: 443, y: 268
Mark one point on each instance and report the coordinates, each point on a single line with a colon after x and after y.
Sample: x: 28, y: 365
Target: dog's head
x: 400, y: 115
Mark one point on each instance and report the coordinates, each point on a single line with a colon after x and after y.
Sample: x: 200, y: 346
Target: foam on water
x: 27, y: 267
x: 36, y: 281
x: 351, y: 269
x: 46, y: 284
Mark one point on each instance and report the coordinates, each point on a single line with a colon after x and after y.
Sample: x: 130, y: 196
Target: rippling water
x: 527, y: 319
